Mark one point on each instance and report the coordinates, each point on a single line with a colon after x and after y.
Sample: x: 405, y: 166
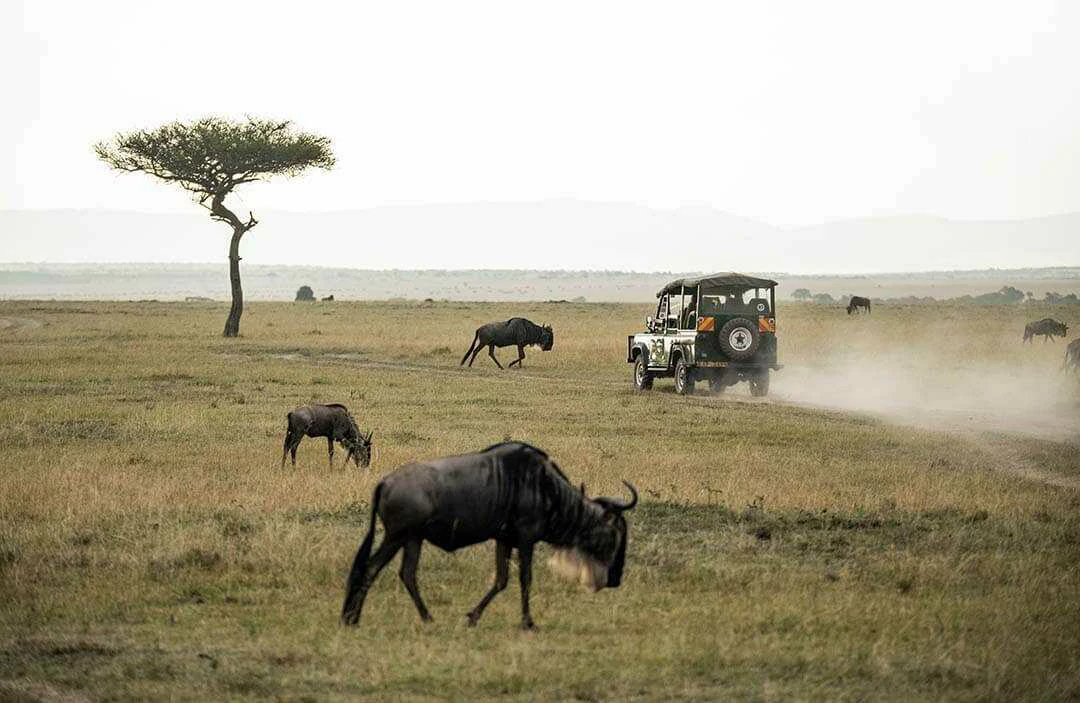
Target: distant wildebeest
x: 332, y: 421
x: 1047, y: 327
x: 1072, y: 355
x: 515, y: 331
x: 328, y: 299
x: 856, y: 302
x: 512, y: 493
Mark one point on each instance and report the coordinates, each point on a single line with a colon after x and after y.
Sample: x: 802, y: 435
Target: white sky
x: 790, y: 112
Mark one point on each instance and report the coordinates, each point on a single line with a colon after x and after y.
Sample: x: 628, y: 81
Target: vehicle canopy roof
x: 718, y: 280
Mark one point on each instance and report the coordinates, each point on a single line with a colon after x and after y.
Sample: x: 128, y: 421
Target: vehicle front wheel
x: 642, y: 378
x: 759, y: 384
x: 684, y: 379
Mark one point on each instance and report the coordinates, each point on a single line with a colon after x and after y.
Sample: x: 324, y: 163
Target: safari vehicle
x: 720, y: 328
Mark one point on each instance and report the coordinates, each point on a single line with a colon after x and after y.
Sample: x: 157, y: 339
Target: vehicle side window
x: 671, y: 317
x: 689, y: 313
x: 662, y: 311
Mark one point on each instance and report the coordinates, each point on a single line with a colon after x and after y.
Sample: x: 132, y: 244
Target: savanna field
x: 898, y: 520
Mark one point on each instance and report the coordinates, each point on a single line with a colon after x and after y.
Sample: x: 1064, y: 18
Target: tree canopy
x: 212, y: 156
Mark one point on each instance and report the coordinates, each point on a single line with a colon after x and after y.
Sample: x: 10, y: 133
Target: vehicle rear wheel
x: 739, y: 339
x: 684, y: 379
x: 759, y: 384
x: 642, y: 378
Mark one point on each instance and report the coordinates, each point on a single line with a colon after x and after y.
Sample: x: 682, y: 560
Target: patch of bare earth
x: 15, y: 323
x: 38, y: 692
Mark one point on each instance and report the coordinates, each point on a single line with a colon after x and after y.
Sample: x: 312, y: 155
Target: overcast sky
x: 793, y: 113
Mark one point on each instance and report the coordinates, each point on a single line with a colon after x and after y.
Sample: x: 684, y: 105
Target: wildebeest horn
x: 620, y: 505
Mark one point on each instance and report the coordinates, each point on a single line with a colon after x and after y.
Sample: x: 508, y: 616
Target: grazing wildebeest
x: 1072, y: 355
x: 332, y: 421
x: 512, y: 493
x: 1047, y: 327
x: 856, y: 302
x: 515, y: 331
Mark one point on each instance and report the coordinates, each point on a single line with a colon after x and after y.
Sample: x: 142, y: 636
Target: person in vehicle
x: 690, y: 316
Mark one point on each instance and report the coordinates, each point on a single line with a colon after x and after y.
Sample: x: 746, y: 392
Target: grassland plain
x: 151, y: 546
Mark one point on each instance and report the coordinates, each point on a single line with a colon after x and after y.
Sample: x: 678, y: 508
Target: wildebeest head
x: 598, y: 556
x: 360, y: 449
x: 547, y: 337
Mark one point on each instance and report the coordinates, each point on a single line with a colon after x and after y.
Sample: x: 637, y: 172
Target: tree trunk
x: 232, y: 324
x: 218, y: 211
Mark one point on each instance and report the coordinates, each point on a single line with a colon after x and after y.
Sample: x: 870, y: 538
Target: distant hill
x: 180, y: 281
x: 545, y: 235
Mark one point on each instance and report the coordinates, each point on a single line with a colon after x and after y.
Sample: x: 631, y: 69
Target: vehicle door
x: 665, y: 326
x: 672, y: 323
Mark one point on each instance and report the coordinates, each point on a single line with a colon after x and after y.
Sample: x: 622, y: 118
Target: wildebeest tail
x: 355, y: 582
x: 475, y: 339
x: 288, y: 436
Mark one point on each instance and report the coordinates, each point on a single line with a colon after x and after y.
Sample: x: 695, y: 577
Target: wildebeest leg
x: 525, y: 555
x: 491, y: 353
x: 479, y: 348
x: 475, y: 339
x: 355, y: 603
x: 502, y: 576
x: 285, y: 448
x: 521, y: 355
x: 294, y: 442
x: 409, y: 561
x: 293, y: 435
x: 330, y: 447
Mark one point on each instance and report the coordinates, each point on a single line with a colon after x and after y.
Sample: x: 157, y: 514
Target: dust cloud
x: 916, y: 389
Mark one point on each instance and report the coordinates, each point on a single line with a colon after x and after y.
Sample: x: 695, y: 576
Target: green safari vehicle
x: 720, y: 328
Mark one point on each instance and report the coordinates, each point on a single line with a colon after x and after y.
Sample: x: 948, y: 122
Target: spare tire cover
x: 739, y: 339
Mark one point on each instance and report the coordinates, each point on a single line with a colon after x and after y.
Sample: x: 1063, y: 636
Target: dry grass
x: 150, y: 547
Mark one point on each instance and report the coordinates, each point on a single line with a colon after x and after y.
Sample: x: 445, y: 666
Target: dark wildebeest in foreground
x: 515, y: 331
x: 332, y: 421
x: 1047, y: 327
x: 512, y: 493
x: 856, y: 302
x: 1072, y: 355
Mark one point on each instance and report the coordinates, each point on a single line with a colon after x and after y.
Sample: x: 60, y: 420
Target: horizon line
x: 541, y: 201
x: 627, y: 272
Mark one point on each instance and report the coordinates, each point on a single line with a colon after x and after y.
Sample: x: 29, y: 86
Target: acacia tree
x: 212, y: 156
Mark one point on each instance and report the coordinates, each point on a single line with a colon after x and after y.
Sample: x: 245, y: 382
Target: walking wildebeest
x: 512, y: 493
x: 516, y: 330
x: 1072, y: 355
x: 1047, y: 327
x: 856, y: 302
x: 332, y: 421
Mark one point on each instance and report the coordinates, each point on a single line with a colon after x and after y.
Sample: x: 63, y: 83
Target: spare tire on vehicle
x: 739, y: 339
